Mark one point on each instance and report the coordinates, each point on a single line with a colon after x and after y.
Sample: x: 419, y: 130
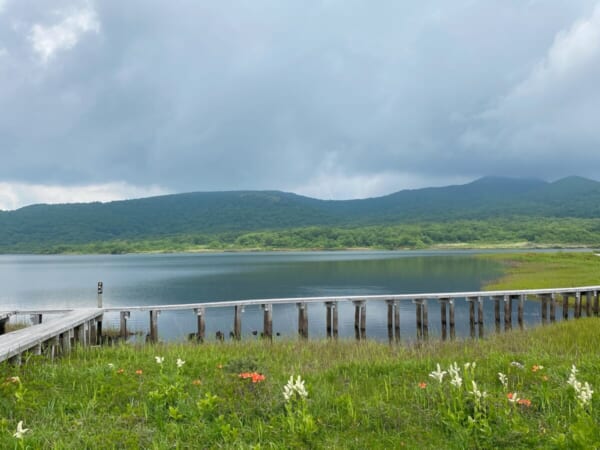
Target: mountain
x: 237, y: 211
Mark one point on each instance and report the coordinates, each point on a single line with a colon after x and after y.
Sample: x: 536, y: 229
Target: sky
x: 334, y: 99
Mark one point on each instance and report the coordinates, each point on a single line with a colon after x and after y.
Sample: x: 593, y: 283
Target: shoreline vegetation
x: 509, y: 233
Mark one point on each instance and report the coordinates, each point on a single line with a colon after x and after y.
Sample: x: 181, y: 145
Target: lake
x: 151, y: 279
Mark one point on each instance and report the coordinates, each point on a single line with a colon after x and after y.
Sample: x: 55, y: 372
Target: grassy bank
x: 546, y: 270
x: 367, y: 395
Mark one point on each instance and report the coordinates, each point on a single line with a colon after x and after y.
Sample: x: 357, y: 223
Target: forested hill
x: 221, y: 212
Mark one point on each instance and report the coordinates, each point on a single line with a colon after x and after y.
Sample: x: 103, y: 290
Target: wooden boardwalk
x: 78, y: 326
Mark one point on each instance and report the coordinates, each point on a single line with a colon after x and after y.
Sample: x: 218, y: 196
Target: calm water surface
x: 70, y: 281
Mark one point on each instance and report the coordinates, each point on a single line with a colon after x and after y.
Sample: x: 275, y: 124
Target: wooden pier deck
x: 71, y: 327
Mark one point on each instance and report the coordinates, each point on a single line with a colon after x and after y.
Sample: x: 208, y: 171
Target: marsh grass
x: 360, y: 395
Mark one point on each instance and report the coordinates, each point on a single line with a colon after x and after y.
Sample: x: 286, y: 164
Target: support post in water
x: 588, y: 304
x: 419, y: 310
x: 154, y: 325
x: 397, y: 321
x: 497, y: 312
x: 124, y: 316
x: 452, y: 323
x: 544, y: 305
x: 596, y: 303
x: 480, y: 316
x: 552, y: 308
x: 577, y: 312
x: 99, y: 330
x: 507, y: 312
x: 360, y: 318
x: 237, y: 322
x: 425, y: 320
x: 393, y: 321
x: 302, y: 320
x: 443, y: 307
x: 332, y: 320
x: 520, y: 310
x: 268, y: 321
x: 471, y: 301
x: 200, y: 324
x: 565, y: 306
x: 100, y: 291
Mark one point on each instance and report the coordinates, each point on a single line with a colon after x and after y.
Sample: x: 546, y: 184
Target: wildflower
x: 219, y: 366
x: 524, y: 402
x: 180, y: 363
x: 111, y: 366
x: 20, y: 430
x: 545, y: 377
x: 438, y: 374
x: 476, y: 392
x: 294, y: 388
x: 518, y: 365
x: 196, y: 382
x: 255, y: 376
x: 503, y: 379
x: 513, y: 397
x: 470, y: 365
x: 159, y: 359
x: 454, y: 371
x: 15, y: 380
x: 139, y: 372
x: 120, y: 371
x: 536, y: 367
x: 422, y: 385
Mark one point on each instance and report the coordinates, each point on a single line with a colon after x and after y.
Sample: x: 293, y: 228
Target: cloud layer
x: 335, y: 99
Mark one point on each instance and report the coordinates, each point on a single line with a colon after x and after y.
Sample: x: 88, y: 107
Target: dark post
x: 200, y: 325
x: 357, y: 320
x: 3, y: 325
x: 397, y: 321
x: 302, y: 320
x: 237, y: 322
x: 268, y: 321
x: 334, y: 307
x: 419, y: 309
x: 471, y: 301
x: 425, y: 320
x: 154, y: 325
x: 443, y: 317
x: 520, y: 310
x: 480, y: 316
x: 328, y: 320
x: 588, y: 304
x: 577, y: 305
x: 452, y: 324
x: 363, y: 321
x: 565, y: 306
x: 99, y: 330
x: 552, y: 308
x: 596, y: 304
x: 507, y: 316
x: 544, y: 303
x: 390, y: 320
x: 100, y: 290
x: 36, y: 319
x: 497, y: 313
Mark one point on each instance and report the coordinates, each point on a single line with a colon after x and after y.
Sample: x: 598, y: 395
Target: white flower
x: 513, y: 397
x: 180, y: 362
x: 20, y: 430
x: 476, y: 392
x: 470, y: 365
x: 518, y: 365
x: 111, y: 366
x: 159, y: 359
x: 456, y: 381
x: 584, y: 391
x: 503, y: 379
x: 438, y: 374
x: 294, y: 387
x: 585, y: 394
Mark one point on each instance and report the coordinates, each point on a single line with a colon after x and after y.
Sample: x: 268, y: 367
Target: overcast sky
x: 107, y: 99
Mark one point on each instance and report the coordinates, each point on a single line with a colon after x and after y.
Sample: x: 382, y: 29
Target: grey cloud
x: 228, y: 95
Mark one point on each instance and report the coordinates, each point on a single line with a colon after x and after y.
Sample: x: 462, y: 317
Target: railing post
x: 397, y: 321
x: 360, y: 318
x: 268, y: 321
x: 577, y: 305
x: 302, y: 320
x: 565, y: 306
x: 552, y: 308
x: 200, y: 324
x: 443, y: 308
x: 124, y: 316
x: 507, y: 313
x: 419, y: 310
x: 390, y: 320
x: 520, y: 310
x: 334, y: 310
x: 425, y: 320
x: 99, y: 330
x: 154, y: 325
x: 497, y: 312
x: 237, y: 322
x: 328, y: 320
x: 100, y: 291
x: 480, y: 316
x: 544, y: 306
x: 357, y: 320
x: 471, y: 302
x: 588, y: 304
x: 452, y: 323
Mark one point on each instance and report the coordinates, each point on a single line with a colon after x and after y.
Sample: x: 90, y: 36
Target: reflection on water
x: 70, y: 281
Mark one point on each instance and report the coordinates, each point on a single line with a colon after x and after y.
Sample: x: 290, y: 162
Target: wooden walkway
x: 78, y: 326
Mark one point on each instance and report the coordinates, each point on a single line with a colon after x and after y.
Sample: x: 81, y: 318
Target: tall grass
x: 360, y: 395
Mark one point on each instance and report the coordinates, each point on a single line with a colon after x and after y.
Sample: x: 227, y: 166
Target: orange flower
x: 536, y: 367
x: 525, y: 402
x: 138, y: 372
x: 422, y: 385
x: 510, y: 395
x: 120, y: 370
x: 545, y: 377
x: 255, y: 376
x: 196, y: 382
